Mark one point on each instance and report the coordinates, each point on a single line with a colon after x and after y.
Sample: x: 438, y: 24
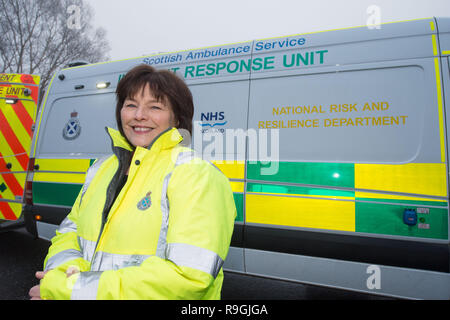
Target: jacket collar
x: 165, y: 140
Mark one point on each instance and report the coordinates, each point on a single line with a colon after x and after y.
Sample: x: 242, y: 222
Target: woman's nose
x: 140, y: 113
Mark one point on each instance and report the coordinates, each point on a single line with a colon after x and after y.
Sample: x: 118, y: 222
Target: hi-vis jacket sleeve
x: 65, y: 251
x: 191, y: 249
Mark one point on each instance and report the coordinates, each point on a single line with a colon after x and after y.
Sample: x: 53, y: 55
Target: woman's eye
x: 156, y: 107
x: 130, y: 105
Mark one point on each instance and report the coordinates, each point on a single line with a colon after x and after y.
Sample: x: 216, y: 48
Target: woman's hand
x: 35, y: 292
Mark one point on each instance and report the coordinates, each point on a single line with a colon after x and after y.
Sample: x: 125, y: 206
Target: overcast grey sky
x: 142, y: 27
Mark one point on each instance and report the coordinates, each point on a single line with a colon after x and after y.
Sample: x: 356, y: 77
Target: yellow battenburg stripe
x: 67, y: 165
x: 59, y: 177
x: 64, y: 170
x: 237, y: 186
x: 300, y: 212
x: 418, y: 178
x: 231, y: 169
x: 446, y: 52
x: 325, y: 197
x: 359, y: 194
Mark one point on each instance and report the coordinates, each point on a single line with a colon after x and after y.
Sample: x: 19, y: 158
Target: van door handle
x: 9, y: 165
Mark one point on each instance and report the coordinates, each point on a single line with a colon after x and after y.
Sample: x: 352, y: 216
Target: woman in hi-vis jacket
x: 152, y: 221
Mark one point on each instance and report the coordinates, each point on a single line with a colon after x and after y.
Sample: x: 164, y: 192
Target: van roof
x: 350, y: 34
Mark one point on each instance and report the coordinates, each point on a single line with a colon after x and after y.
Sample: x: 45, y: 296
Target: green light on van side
x: 294, y: 190
x: 323, y: 174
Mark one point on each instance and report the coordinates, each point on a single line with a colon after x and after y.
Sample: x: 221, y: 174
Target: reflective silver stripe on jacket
x: 108, y: 261
x: 90, y: 174
x: 187, y: 255
x: 180, y: 253
x: 86, y: 286
x: 162, y: 240
x: 111, y: 261
x: 87, y: 248
x: 66, y: 226
x: 62, y: 257
x: 183, y: 157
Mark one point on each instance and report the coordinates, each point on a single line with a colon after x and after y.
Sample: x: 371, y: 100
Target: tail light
x: 29, y: 183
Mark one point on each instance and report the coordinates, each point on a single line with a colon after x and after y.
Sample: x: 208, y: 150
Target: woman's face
x: 144, y: 118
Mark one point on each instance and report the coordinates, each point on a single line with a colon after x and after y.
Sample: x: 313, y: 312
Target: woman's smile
x: 144, y: 118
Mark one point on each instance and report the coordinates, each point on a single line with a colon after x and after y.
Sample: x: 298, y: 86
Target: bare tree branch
x: 37, y: 38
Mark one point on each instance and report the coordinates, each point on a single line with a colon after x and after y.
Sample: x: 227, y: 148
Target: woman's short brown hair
x: 165, y: 86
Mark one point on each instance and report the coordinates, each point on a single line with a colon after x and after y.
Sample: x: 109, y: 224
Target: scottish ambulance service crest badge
x: 72, y: 129
x: 145, y: 202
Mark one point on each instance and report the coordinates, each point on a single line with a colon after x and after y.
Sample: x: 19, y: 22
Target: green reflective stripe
x: 63, y: 194
x: 325, y: 174
x: 239, y: 203
x: 388, y: 219
x: 270, y: 188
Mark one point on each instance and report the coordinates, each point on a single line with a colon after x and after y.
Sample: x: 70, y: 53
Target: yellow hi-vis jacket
x: 165, y: 236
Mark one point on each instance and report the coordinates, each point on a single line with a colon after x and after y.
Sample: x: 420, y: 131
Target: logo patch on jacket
x: 145, y: 202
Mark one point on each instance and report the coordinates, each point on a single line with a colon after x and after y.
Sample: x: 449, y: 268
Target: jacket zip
x: 110, y: 192
x: 115, y: 180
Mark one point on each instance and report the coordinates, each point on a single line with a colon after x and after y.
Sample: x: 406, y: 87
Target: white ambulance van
x: 335, y: 144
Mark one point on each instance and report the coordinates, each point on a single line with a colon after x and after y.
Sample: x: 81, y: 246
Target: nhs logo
x: 212, y: 120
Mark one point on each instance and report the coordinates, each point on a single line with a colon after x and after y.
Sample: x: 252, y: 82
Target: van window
x: 75, y: 127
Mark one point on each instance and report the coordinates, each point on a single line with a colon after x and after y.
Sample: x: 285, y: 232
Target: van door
x: 360, y: 174
x: 18, y: 104
x: 220, y: 88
